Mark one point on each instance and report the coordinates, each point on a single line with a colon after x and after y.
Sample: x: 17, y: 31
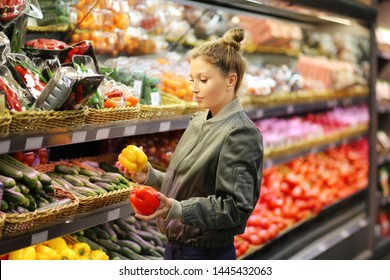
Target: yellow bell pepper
x: 81, y: 248
x: 49, y: 252
x: 68, y: 253
x: 27, y: 253
x: 133, y: 158
x: 42, y: 257
x: 98, y: 255
x: 56, y: 243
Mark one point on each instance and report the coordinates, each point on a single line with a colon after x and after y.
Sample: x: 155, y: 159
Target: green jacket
x: 215, y: 174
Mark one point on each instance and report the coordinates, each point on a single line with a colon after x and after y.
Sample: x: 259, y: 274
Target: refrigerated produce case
x: 343, y: 230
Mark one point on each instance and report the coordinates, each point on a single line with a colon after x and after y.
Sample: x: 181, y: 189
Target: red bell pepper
x: 31, y: 80
x: 144, y: 200
x: 11, y: 96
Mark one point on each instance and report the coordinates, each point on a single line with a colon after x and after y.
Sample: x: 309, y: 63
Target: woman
x: 213, y: 181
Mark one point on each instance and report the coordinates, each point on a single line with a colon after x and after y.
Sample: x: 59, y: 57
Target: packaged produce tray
x: 5, y: 122
x: 170, y: 106
x: 17, y: 223
x: 99, y: 116
x: 38, y: 121
x: 89, y: 203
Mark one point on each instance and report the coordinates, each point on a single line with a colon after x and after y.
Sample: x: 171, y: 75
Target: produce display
x: 298, y: 190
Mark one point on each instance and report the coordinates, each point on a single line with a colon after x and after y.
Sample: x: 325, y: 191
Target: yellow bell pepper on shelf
x: 56, y: 243
x: 67, y: 253
x: 133, y: 158
x: 27, y: 253
x: 42, y: 257
x: 46, y: 251
x: 98, y: 255
x: 81, y: 248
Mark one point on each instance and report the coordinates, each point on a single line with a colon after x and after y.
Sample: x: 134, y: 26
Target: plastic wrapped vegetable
x: 133, y: 158
x: 10, y: 88
x: 144, y: 200
x: 4, y: 47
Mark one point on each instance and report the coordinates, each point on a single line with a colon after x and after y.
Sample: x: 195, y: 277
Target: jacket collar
x: 231, y: 108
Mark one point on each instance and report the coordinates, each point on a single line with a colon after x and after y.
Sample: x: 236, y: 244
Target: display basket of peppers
x: 65, y: 207
x: 89, y: 202
x: 170, y: 106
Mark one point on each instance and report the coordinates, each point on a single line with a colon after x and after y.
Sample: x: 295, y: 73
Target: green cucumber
x: 131, y: 254
x: 90, y: 233
x: 65, y: 169
x: 4, y: 205
x: 112, y: 234
x: 8, y: 182
x: 8, y: 170
x: 30, y: 175
x: 108, y: 244
x: 95, y: 179
x: 33, y: 203
x: 100, y: 233
x: 84, y: 191
x: 73, y: 180
x: 130, y: 244
x: 125, y: 226
x: 106, y: 186
x: 145, y: 245
x: 89, y: 173
x: 55, y: 204
x: 11, y: 195
x: 23, y: 188
x: 44, y: 178
x: 48, y: 188
x: 116, y: 256
x: 118, y: 231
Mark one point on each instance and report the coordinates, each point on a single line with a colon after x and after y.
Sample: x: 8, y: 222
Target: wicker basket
x: 170, y: 106
x: 5, y: 122
x: 99, y: 116
x: 19, y: 223
x: 2, y: 220
x: 39, y: 121
x: 87, y: 204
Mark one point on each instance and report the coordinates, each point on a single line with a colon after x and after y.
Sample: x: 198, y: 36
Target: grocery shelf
x: 347, y: 213
x: 346, y: 8
x: 60, y: 228
x: 301, y: 108
x: 286, y: 157
x: 88, y: 133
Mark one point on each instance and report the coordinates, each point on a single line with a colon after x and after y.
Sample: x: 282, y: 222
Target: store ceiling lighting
x: 335, y: 19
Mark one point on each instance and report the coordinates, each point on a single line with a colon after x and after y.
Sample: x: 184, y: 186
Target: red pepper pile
x: 10, y: 9
x: 11, y: 97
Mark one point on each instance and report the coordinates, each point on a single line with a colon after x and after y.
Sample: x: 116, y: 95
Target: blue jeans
x: 177, y: 251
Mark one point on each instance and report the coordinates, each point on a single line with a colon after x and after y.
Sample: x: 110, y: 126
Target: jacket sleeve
x: 237, y: 188
x: 154, y: 178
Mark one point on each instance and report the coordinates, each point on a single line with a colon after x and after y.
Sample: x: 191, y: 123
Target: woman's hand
x: 161, y: 212
x: 138, y: 177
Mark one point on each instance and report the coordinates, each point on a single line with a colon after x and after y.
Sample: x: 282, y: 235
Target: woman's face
x: 211, y: 89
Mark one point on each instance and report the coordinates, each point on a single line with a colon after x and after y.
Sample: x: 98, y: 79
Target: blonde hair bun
x: 233, y: 38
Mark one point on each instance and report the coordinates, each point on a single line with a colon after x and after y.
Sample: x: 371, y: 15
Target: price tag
x: 290, y: 109
x: 5, y: 146
x: 79, y: 137
x: 165, y: 126
x: 332, y: 103
x: 259, y: 114
x: 39, y: 237
x: 129, y: 130
x: 34, y: 143
x: 102, y: 133
x: 113, y: 214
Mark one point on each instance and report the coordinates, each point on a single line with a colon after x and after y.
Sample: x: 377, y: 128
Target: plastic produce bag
x: 4, y: 47
x: 57, y: 90
x: 14, y: 94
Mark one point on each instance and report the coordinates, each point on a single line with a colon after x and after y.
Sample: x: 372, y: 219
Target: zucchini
x: 111, y: 232
x: 106, y: 186
x: 131, y: 254
x: 125, y: 226
x: 101, y: 233
x: 130, y: 244
x: 8, y: 170
x: 118, y: 231
x: 11, y: 195
x: 108, y: 244
x: 94, y: 179
x: 116, y: 256
x: 55, y: 204
x: 33, y: 203
x: 30, y: 175
x: 145, y: 235
x: 4, y: 205
x: 146, y: 246
x: 23, y: 188
x: 48, y: 188
x: 8, y: 182
x: 89, y: 173
x: 65, y: 169
x: 83, y: 191
x: 38, y: 186
x: 91, y: 234
x: 44, y: 178
x: 73, y: 180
